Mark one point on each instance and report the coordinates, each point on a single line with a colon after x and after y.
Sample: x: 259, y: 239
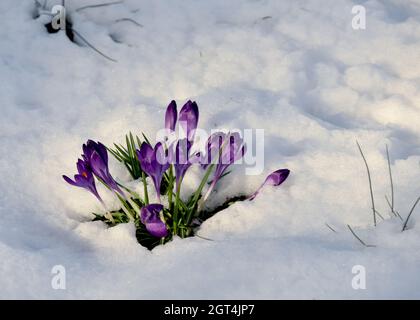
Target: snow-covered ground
x: 296, y: 69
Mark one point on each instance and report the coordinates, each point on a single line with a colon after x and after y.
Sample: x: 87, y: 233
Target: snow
x: 296, y: 69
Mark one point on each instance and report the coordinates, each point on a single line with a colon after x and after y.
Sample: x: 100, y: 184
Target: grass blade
x: 358, y: 238
x: 409, y: 215
x: 390, y: 180
x: 329, y: 227
x: 393, y: 210
x: 370, y: 184
x: 92, y: 46
x: 98, y: 5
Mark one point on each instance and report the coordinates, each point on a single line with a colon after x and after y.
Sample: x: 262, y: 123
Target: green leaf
x: 138, y: 141
x: 127, y: 142
x: 145, y: 138
x: 121, y: 150
x: 98, y: 217
x: 115, y: 154
x: 133, y: 145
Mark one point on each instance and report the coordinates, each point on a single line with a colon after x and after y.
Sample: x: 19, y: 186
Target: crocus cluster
x: 165, y: 165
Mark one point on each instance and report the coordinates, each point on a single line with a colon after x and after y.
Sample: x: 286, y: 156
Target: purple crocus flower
x: 96, y: 157
x: 227, y: 148
x: 214, y: 145
x: 233, y: 149
x: 274, y: 179
x: 90, y: 146
x: 153, y: 163
x: 179, y: 156
x: 188, y: 119
x: 150, y: 217
x: 171, y: 116
x: 84, y: 179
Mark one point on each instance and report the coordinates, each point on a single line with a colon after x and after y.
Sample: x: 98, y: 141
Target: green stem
x: 212, y: 184
x: 108, y: 213
x: 170, y: 187
x: 128, y: 213
x: 134, y: 205
x: 198, y: 192
x: 146, y: 194
x: 132, y: 193
x: 124, y: 208
x: 175, y: 220
x: 209, y: 191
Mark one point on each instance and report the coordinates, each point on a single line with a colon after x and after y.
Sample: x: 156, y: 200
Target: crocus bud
x: 151, y: 162
x: 150, y: 217
x: 188, y: 119
x: 274, y: 179
x: 171, y: 116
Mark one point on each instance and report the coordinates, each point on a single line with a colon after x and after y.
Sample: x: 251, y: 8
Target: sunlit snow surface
x: 296, y: 69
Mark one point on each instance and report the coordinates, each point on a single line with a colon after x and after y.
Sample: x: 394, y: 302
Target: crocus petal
x: 98, y: 165
x: 233, y: 149
x: 150, y: 217
x: 84, y: 179
x: 227, y: 148
x: 87, y: 152
x: 180, y: 158
x: 94, y: 161
x: 214, y: 144
x: 157, y: 229
x: 277, y: 177
x: 145, y: 156
x: 188, y: 119
x: 171, y: 116
x: 160, y: 154
x: 81, y: 181
x: 274, y: 179
x: 150, y: 159
x: 101, y: 149
x: 100, y: 169
x: 69, y: 181
x: 148, y: 212
x: 84, y: 170
x: 81, y: 167
x: 92, y: 146
x: 160, y: 165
